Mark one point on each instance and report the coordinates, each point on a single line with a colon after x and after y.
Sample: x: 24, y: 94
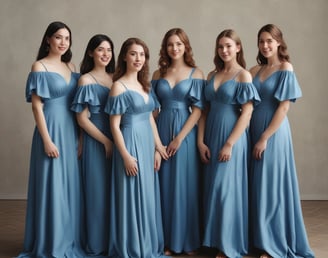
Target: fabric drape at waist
x: 134, y: 119
x: 63, y: 102
x: 174, y: 105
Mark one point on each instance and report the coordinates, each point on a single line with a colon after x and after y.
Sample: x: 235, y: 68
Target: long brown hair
x: 276, y: 33
x: 231, y: 34
x: 143, y: 74
x: 165, y: 61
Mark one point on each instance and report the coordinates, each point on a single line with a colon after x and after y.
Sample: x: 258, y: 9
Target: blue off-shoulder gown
x: 135, y: 221
x: 95, y: 168
x: 226, y: 183
x: 180, y: 175
x: 277, y: 221
x: 53, y: 207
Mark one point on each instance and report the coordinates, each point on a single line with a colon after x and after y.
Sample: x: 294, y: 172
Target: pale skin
x: 227, y: 50
x: 177, y: 72
x: 269, y: 49
x: 102, y: 56
x: 135, y: 58
x: 58, y: 45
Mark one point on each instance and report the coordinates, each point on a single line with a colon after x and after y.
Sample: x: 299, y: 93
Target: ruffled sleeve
x: 246, y: 92
x: 196, y: 93
x: 37, y: 83
x: 117, y: 105
x: 154, y: 84
x: 86, y: 96
x: 288, y: 88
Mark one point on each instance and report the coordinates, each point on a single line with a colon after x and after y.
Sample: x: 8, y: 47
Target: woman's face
x: 227, y: 49
x: 175, y: 47
x: 267, y: 45
x: 59, y: 42
x: 102, y: 54
x: 135, y: 58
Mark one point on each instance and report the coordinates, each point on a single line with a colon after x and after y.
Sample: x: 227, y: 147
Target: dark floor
x: 12, y: 218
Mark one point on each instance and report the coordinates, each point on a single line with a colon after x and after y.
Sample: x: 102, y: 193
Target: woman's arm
x: 187, y: 127
x: 240, y: 126
x: 50, y: 148
x: 93, y: 131
x: 205, y: 153
x: 130, y: 162
x: 159, y: 148
x: 274, y: 125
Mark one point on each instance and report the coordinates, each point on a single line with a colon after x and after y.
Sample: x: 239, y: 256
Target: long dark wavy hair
x: 165, y: 61
x: 88, y: 63
x: 51, y: 30
x: 143, y: 74
x: 277, y: 35
x: 231, y: 34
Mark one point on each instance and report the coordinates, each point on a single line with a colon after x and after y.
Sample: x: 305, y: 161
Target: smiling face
x: 175, y: 47
x: 268, y: 46
x: 227, y: 49
x: 135, y: 58
x: 102, y: 54
x: 59, y: 42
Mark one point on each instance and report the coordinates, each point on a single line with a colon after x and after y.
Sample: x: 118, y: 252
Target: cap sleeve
x: 86, y: 96
x: 117, y: 105
x: 196, y: 93
x: 246, y: 92
x: 37, y: 83
x: 288, y: 88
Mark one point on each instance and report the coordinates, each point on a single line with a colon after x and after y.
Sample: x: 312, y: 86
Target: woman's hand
x: 158, y: 161
x: 162, y: 150
x: 259, y: 148
x: 51, y: 150
x: 225, y: 153
x: 131, y: 166
x: 173, y: 147
x: 205, y: 153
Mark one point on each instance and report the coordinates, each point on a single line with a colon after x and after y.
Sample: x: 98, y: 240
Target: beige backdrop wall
x: 22, y: 24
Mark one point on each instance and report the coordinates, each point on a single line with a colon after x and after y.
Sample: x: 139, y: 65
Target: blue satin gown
x: 226, y: 183
x: 53, y: 207
x: 277, y: 221
x: 135, y: 223
x: 96, y: 169
x: 180, y: 175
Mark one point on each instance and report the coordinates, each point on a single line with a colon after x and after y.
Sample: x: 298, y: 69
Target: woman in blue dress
x: 223, y: 146
x: 178, y: 86
x: 135, y: 224
x: 97, y: 68
x: 277, y: 223
x: 54, y: 190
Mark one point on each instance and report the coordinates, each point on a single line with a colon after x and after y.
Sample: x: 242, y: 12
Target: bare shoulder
x: 254, y: 70
x: 85, y: 79
x: 37, y: 66
x: 198, y: 74
x: 71, y: 66
x: 211, y: 74
x: 286, y: 66
x: 117, y: 89
x: 244, y: 76
x: 156, y: 75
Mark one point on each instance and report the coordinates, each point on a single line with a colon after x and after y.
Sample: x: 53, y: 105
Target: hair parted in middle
x: 231, y: 34
x: 164, y: 59
x: 88, y: 63
x: 121, y: 68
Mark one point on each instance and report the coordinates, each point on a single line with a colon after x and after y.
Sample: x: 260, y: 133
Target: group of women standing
x: 140, y: 188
